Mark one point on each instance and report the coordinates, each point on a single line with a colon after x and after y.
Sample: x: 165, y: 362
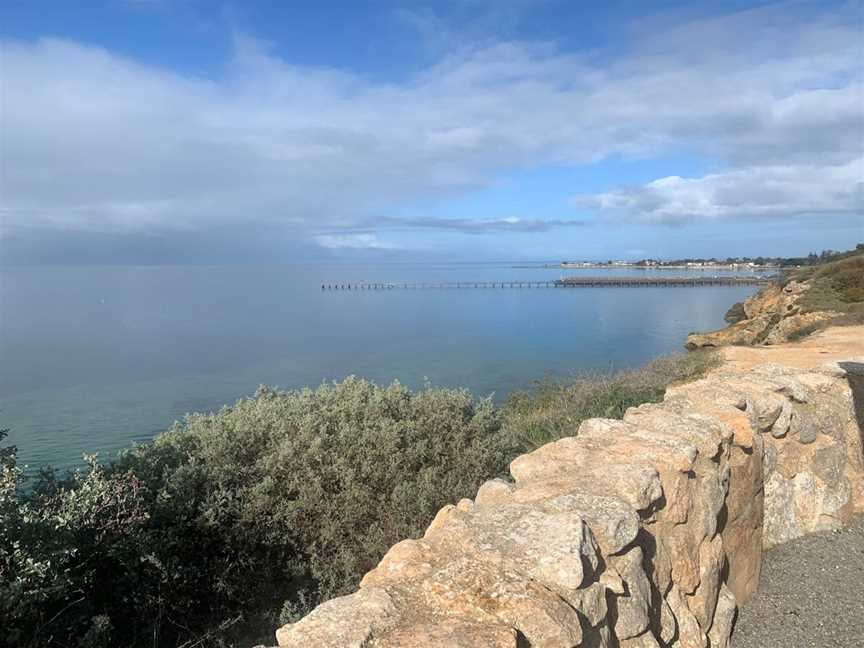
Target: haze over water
x: 96, y: 358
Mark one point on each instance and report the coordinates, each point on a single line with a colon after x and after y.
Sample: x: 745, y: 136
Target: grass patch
x: 836, y: 286
x: 554, y: 409
x: 847, y: 319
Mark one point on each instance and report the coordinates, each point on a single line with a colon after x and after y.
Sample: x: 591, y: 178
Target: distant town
x: 712, y: 264
x: 730, y: 263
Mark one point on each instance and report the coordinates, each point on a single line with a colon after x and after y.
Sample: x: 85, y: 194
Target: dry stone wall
x: 635, y: 533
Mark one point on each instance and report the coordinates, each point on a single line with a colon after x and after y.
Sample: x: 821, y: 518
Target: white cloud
x: 353, y: 242
x: 750, y: 192
x: 95, y: 141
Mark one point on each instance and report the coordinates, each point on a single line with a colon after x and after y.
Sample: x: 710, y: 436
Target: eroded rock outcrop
x: 770, y: 317
x: 641, y: 532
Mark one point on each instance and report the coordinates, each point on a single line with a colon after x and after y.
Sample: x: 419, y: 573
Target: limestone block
x: 724, y: 618
x: 482, y: 592
x: 613, y: 522
x: 742, y: 531
x: 635, y: 481
x: 645, y: 640
x: 555, y: 548
x: 804, y: 425
x: 406, y: 561
x: 819, y: 507
x: 451, y: 634
x: 493, y: 491
x: 780, y: 524
x: 344, y: 622
x: 631, y: 609
x: 781, y: 426
x: 591, y: 602
x: 703, y: 601
x: 690, y: 634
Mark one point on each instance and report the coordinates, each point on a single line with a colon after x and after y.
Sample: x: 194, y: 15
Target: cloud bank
x: 754, y: 192
x: 96, y: 142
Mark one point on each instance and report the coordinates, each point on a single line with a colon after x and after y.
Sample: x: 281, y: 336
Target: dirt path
x: 837, y: 343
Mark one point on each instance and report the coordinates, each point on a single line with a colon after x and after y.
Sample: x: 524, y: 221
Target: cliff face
x: 770, y: 316
x: 643, y: 532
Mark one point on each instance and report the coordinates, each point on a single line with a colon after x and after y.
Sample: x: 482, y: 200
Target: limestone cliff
x: 770, y: 316
x: 641, y: 532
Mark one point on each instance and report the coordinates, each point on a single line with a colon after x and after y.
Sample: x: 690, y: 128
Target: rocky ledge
x: 768, y: 317
x: 641, y: 532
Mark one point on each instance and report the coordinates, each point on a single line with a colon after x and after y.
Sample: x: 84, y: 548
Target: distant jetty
x: 570, y: 282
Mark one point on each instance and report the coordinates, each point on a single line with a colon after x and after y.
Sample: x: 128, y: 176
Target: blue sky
x: 172, y: 131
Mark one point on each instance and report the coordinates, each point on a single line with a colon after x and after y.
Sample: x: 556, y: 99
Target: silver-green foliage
x: 284, y: 497
x: 57, y: 549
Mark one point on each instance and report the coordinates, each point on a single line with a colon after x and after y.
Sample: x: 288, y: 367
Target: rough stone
x: 772, y: 315
x: 344, y: 622
x: 481, y: 592
x: 703, y: 601
x: 804, y: 425
x: 645, y: 640
x: 690, y: 634
x: 494, y: 491
x: 765, y: 411
x: 724, y: 618
x: 828, y: 463
x: 780, y: 522
x: 451, y: 634
x: 636, y: 481
x: 784, y: 420
x: 630, y: 614
x: 742, y: 531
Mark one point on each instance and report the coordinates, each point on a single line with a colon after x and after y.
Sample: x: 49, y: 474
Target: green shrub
x: 231, y: 523
x: 554, y: 409
x: 229, y: 519
x: 61, y: 555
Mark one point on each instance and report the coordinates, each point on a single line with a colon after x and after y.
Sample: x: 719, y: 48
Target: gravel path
x: 811, y: 595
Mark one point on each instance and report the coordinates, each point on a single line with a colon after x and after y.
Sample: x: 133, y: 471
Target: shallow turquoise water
x: 96, y: 358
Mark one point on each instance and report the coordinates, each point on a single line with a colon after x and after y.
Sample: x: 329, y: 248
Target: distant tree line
x: 812, y: 259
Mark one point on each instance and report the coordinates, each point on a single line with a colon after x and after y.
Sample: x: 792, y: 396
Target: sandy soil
x: 837, y: 343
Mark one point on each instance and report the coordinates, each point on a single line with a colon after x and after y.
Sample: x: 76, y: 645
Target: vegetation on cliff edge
x: 836, y: 286
x: 554, y: 409
x: 232, y: 523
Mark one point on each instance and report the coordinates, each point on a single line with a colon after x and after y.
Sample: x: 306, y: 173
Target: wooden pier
x: 570, y: 282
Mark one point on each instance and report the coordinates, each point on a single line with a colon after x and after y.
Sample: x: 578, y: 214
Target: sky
x: 185, y: 131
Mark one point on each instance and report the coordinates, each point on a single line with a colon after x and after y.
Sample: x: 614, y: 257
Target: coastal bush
x: 208, y: 533
x: 231, y: 523
x: 65, y: 555
x: 554, y: 409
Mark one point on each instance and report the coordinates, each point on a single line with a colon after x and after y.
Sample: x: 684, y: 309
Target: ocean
x: 97, y: 358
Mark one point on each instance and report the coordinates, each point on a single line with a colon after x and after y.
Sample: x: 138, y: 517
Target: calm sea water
x: 94, y: 359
